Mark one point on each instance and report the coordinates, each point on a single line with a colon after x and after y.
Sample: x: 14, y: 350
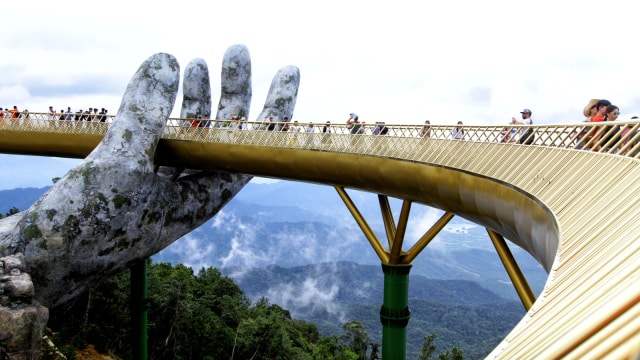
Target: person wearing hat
x: 601, y: 111
x: 353, y: 124
x: 526, y: 134
x: 590, y: 110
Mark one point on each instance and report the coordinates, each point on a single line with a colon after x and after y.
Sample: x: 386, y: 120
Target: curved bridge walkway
x: 570, y: 199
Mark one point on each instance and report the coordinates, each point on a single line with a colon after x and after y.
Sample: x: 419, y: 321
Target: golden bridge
x: 570, y: 199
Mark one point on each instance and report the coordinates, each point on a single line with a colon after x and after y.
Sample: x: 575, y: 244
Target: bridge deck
x: 575, y: 211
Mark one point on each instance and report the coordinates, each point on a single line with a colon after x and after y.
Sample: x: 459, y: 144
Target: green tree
x: 428, y: 347
x: 196, y: 317
x: 357, y: 338
x: 455, y: 354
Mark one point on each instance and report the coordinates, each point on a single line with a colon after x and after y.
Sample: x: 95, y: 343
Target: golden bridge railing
x: 619, y: 138
x: 588, y: 243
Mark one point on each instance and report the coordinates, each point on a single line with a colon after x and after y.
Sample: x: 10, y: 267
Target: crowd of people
x: 597, y: 110
x: 91, y: 114
x: 13, y: 113
x: 602, y: 110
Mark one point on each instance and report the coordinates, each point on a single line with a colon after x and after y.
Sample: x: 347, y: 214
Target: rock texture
x: 113, y: 209
x: 22, y: 320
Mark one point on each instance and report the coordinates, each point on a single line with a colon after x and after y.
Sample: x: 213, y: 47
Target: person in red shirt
x: 601, y: 111
x: 14, y: 112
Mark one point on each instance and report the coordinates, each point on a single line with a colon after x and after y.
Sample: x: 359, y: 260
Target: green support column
x: 138, y: 310
x: 395, y: 314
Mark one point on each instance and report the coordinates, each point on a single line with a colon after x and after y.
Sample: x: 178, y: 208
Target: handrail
x: 569, y: 199
x: 619, y: 138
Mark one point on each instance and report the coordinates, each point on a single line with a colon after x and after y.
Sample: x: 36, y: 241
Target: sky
x: 400, y: 62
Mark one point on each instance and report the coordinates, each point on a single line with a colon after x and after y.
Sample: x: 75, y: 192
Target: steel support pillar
x: 395, y: 313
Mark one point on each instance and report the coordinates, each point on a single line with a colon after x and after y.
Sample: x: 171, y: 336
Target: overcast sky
x: 396, y: 61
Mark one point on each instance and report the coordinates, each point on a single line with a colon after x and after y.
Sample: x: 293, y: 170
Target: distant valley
x: 298, y: 246
x: 295, y: 224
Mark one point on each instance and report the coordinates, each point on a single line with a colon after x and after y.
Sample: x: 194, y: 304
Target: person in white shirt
x: 525, y: 135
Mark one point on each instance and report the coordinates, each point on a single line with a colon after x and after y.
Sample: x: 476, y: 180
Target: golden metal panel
x: 573, y: 209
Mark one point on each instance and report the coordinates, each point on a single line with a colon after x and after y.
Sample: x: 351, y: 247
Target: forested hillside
x: 461, y: 313
x: 206, y: 317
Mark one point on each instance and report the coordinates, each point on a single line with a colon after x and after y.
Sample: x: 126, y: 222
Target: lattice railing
x: 619, y: 138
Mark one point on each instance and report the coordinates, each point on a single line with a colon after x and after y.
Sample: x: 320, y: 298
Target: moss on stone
x: 226, y: 195
x: 289, y: 79
x: 118, y: 233
x: 83, y: 172
x: 123, y: 244
x: 86, y: 212
x: 120, y: 201
x: 134, y: 108
x: 135, y: 241
x: 106, y: 251
x: 32, y: 232
x: 128, y: 135
x: 281, y: 102
x: 71, y: 228
x: 51, y: 213
x: 152, y: 217
x: 173, y: 217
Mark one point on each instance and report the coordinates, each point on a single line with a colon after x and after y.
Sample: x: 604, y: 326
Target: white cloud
x: 311, y: 293
x: 397, y: 62
x: 193, y: 252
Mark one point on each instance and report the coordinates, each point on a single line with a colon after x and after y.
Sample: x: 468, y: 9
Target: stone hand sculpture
x: 114, y: 209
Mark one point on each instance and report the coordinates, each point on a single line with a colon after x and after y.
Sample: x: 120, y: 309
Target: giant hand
x: 113, y: 209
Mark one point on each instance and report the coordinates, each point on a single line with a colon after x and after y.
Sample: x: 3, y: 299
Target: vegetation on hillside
x: 201, y: 317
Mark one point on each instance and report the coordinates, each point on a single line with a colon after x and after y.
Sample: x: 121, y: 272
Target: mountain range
x: 297, y: 245
x: 291, y: 224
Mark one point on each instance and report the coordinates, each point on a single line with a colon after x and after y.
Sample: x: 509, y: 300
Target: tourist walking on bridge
x: 526, y: 135
x: 458, y: 132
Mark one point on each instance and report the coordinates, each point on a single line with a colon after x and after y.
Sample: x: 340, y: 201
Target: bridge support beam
x: 527, y: 296
x: 395, y: 313
x: 138, y: 309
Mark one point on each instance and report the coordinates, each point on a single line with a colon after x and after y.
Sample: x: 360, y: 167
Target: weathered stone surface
x: 235, y: 91
x: 21, y: 319
x: 19, y: 286
x: 196, y: 91
x: 283, y: 94
x: 113, y: 209
x: 21, y: 327
x: 12, y: 264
